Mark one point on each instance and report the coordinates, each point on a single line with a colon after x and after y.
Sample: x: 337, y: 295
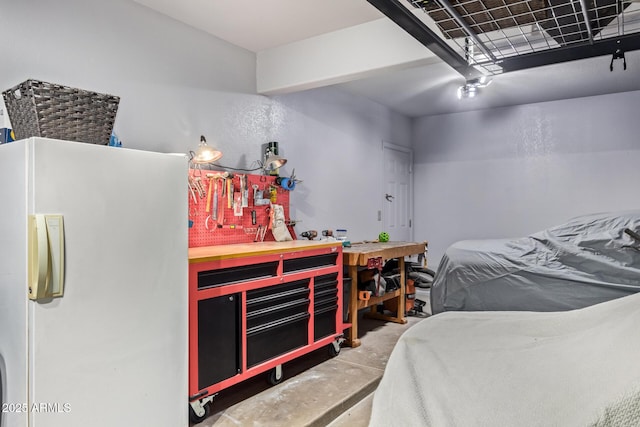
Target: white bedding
x: 573, y: 368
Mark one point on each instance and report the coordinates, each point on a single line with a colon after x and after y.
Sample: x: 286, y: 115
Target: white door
x: 397, y: 190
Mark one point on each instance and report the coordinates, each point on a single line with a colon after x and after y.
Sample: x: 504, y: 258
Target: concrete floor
x: 318, y: 390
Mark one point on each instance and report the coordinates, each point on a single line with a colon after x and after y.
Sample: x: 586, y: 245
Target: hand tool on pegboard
x: 237, y: 203
x: 215, y: 199
x: 207, y: 208
x: 220, y: 217
x: 201, y: 235
x: 210, y: 178
x: 255, y: 193
x: 289, y: 183
x: 262, y: 230
x: 244, y: 190
x: 192, y: 190
x: 197, y: 184
x: 212, y: 201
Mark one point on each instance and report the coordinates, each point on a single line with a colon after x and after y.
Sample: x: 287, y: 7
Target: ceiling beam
x: 357, y: 52
x: 571, y: 53
x: 399, y: 14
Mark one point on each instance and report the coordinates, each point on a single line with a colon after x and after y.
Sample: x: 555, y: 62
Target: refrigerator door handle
x: 46, y: 256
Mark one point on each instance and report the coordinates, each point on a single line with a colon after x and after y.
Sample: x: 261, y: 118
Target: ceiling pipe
x: 406, y: 20
x: 460, y: 20
x: 585, y: 15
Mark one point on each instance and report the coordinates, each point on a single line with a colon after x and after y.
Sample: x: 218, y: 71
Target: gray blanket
x: 588, y: 260
x: 494, y: 369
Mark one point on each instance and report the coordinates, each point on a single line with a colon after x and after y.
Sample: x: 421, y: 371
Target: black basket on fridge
x: 49, y: 110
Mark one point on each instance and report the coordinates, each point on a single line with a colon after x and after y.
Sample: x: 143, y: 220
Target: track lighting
x: 472, y: 87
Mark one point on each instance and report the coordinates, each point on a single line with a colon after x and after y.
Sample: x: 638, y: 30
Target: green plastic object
x: 383, y: 237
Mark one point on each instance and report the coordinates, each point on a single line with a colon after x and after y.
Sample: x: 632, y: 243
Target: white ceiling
x: 258, y: 25
x: 262, y: 24
x: 432, y: 89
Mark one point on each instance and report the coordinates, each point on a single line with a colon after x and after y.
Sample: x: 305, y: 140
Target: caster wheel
x: 273, y: 378
x: 194, y: 418
x: 334, y: 349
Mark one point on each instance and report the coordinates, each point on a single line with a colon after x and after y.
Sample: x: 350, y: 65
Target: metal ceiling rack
x: 496, y: 36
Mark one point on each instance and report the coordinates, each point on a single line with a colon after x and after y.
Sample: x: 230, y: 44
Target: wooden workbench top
x: 218, y: 252
x: 360, y: 253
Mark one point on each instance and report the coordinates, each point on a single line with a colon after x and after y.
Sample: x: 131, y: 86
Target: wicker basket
x: 50, y: 110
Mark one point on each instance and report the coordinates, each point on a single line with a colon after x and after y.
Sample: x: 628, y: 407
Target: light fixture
x: 273, y: 162
x: 205, y: 153
x: 472, y: 87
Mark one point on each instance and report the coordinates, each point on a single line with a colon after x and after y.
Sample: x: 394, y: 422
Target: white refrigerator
x: 112, y: 349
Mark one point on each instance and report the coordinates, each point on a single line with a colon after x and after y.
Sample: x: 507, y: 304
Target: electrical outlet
x: 379, y: 215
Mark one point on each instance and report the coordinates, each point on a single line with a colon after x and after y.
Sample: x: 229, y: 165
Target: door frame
x: 390, y: 146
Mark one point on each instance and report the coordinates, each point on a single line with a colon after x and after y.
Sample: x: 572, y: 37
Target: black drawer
x: 326, y: 280
x: 276, y: 299
x: 243, y: 273
x: 320, y: 304
x: 324, y: 319
x: 311, y: 262
x: 267, y: 341
x: 275, y: 295
x: 327, y: 294
x: 325, y: 288
x: 322, y: 286
x: 273, y: 313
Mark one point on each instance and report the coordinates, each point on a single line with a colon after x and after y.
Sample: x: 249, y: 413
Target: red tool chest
x: 255, y: 306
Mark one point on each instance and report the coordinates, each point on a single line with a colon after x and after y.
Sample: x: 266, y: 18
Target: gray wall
x: 336, y: 141
x: 176, y: 83
x: 512, y: 171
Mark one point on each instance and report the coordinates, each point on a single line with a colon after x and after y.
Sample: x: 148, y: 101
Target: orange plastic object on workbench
x: 235, y: 229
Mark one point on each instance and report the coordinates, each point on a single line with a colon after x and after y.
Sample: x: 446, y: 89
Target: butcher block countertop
x: 360, y: 253
x: 213, y: 253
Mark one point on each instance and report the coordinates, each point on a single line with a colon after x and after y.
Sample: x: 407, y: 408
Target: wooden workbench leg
x: 352, y: 338
x: 403, y: 291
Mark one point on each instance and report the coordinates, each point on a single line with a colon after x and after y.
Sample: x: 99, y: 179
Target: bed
x: 588, y: 260
x: 571, y: 368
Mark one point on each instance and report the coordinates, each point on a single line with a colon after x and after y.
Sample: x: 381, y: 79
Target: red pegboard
x: 235, y: 229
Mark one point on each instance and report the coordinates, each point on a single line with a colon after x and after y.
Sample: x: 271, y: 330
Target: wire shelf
x: 485, y: 32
